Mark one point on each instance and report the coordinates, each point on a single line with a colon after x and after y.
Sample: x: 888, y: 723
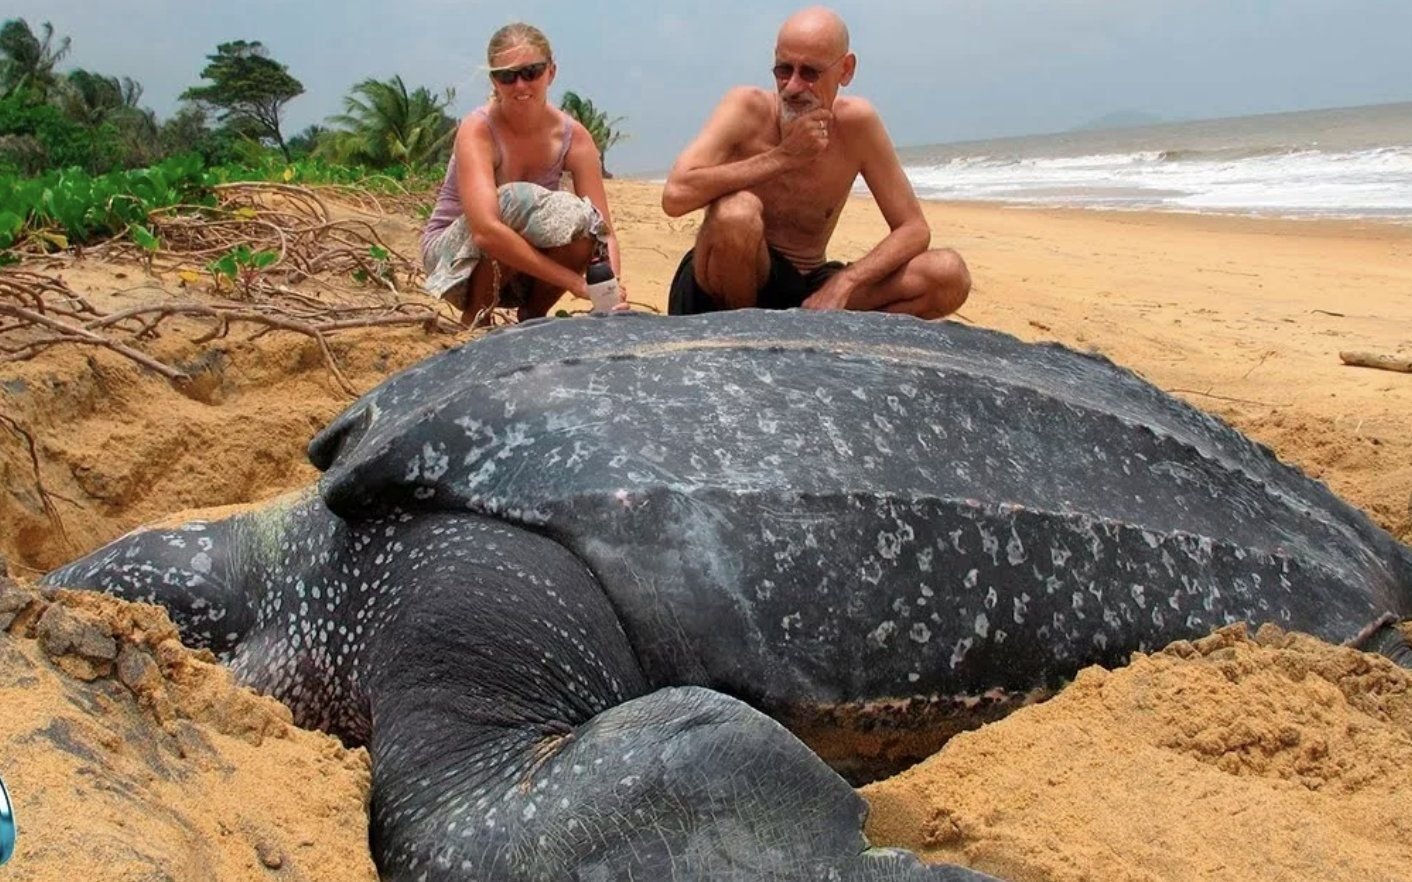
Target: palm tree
x: 29, y: 62
x: 307, y: 141
x: 384, y: 124
x: 596, y: 121
x: 93, y: 99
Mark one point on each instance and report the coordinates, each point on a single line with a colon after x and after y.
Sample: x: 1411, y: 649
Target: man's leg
x: 931, y: 285
x: 731, y: 259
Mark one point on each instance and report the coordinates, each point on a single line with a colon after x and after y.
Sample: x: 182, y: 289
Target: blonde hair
x: 517, y: 34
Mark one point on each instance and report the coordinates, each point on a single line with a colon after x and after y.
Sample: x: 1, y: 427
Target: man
x: 773, y: 172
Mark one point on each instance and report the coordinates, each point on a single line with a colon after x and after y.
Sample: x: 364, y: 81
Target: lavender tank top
x: 448, y: 200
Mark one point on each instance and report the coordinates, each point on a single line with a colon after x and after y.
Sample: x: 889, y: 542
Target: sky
x: 938, y: 70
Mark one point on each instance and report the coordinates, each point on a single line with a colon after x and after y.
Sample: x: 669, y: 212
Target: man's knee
x: 730, y: 249
x: 737, y: 217
x: 948, y: 282
x: 950, y: 271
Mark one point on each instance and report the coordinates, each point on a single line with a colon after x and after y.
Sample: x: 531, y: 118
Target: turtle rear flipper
x: 683, y: 783
x: 1384, y: 637
x: 516, y: 737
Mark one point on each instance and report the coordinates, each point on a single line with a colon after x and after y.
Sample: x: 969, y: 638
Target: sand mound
x: 116, y: 446
x: 1273, y: 758
x: 129, y: 756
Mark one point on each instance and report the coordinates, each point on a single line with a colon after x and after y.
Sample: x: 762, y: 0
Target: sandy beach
x: 1238, y: 758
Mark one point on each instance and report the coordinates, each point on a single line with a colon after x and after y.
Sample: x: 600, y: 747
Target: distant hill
x: 1121, y: 119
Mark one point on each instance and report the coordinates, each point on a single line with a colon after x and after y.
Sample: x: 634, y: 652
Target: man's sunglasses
x: 784, y: 71
x: 506, y: 76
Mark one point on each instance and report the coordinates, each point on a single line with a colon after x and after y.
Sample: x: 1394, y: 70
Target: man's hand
x: 833, y: 295
x: 807, y: 135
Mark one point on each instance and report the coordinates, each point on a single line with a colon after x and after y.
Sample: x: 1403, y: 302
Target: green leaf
x: 262, y: 259
x: 223, y: 266
x: 10, y: 226
x: 378, y: 252
x: 143, y: 237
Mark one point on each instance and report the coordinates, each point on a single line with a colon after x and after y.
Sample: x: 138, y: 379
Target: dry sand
x: 1276, y: 758
x: 130, y: 757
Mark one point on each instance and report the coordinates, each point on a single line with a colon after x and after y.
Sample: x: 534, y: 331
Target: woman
x: 502, y: 232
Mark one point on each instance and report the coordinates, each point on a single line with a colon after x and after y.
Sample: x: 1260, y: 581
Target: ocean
x: 1353, y: 162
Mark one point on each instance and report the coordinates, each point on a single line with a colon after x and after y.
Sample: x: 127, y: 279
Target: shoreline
x: 1318, y: 224
x: 1334, y: 222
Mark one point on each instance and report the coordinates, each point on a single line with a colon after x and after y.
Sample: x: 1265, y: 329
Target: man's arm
x: 909, y: 235
x: 702, y: 173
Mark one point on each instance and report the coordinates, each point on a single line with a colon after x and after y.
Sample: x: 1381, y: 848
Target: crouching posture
x: 502, y: 232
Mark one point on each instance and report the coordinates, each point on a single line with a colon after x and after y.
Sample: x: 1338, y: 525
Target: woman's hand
x: 623, y: 305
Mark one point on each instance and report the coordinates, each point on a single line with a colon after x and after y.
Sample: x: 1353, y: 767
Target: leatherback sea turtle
x: 576, y: 583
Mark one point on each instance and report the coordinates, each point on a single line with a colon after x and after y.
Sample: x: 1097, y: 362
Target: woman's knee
x: 574, y: 255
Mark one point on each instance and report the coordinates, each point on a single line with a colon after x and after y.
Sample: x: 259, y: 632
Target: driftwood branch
x: 38, y: 312
x: 76, y: 334
x: 143, y: 321
x: 1400, y: 363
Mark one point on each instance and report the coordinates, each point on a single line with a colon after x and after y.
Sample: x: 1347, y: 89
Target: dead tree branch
x: 1400, y: 363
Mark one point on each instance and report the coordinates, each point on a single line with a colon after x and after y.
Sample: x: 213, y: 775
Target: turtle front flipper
x: 193, y: 569
x: 514, y: 737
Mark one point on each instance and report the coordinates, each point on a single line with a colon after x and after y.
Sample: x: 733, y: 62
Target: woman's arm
x: 475, y: 183
x: 585, y: 164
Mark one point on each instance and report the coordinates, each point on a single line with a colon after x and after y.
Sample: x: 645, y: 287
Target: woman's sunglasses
x: 506, y: 76
x: 808, y: 73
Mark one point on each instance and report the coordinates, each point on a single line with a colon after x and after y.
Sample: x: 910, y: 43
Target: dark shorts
x: 785, y: 287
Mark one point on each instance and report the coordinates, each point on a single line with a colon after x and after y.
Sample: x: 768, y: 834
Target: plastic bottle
x: 602, y: 287
x: 7, y: 825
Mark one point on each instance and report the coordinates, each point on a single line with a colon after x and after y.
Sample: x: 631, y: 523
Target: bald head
x: 816, y: 26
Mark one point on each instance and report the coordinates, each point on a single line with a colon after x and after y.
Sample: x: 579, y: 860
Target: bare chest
x: 527, y: 158
x: 805, y: 202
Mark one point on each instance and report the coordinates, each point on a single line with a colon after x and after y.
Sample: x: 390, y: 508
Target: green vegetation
x: 29, y: 62
x: 81, y: 160
x: 248, y: 89
x: 70, y: 207
x: 383, y: 124
x: 64, y: 208
x: 596, y: 121
x: 241, y: 266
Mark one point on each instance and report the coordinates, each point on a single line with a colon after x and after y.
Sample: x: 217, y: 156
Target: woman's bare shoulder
x: 478, y: 120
